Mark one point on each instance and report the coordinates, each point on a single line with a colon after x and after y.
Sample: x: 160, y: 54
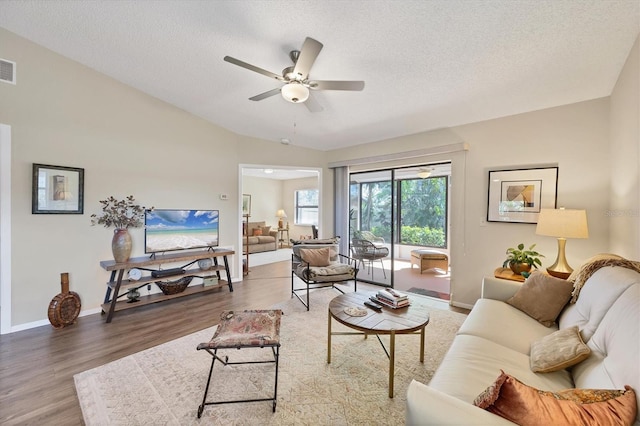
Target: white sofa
x: 496, y: 336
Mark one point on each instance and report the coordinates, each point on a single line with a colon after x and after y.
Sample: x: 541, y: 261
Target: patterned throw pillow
x: 257, y: 232
x: 542, y: 297
x: 558, y: 351
x: 511, y: 399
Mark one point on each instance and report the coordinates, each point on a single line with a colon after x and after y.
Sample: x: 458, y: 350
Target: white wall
x: 62, y: 113
x: 266, y: 196
x: 623, y: 214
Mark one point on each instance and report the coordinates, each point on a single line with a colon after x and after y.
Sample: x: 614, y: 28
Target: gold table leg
x: 329, y: 339
x: 392, y: 360
x: 422, y: 344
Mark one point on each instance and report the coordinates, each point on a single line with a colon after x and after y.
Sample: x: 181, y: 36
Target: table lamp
x: 562, y: 223
x: 280, y: 214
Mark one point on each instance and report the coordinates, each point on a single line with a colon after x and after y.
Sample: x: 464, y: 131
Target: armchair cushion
x: 334, y: 240
x: 316, y: 257
x: 334, y: 272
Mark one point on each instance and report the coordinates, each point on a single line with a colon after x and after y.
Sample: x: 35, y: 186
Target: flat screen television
x: 170, y: 230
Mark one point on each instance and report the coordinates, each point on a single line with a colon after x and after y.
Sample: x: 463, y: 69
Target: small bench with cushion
x: 427, y: 259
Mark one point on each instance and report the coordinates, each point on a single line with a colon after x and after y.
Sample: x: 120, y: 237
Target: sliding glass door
x: 371, y: 224
x: 394, y: 213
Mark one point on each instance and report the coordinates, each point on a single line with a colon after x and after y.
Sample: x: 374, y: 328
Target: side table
x: 507, y: 274
x: 281, y: 232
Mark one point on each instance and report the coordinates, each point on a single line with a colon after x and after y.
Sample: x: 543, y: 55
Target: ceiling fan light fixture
x: 424, y: 173
x: 295, y: 92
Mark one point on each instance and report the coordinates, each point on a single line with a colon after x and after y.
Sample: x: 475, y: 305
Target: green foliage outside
x: 418, y: 236
x: 422, y: 210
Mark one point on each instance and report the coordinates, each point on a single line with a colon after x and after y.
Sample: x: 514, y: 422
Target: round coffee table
x: 409, y: 320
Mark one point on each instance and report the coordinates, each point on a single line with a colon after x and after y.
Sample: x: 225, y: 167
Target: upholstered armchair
x: 318, y: 263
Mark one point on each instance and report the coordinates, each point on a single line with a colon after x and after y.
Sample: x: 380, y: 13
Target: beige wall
x: 575, y: 137
x: 266, y: 196
x: 623, y: 214
x: 62, y: 113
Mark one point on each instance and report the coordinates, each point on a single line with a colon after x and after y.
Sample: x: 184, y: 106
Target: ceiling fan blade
x: 313, y: 105
x: 336, y: 85
x: 252, y: 68
x: 310, y: 50
x: 265, y: 95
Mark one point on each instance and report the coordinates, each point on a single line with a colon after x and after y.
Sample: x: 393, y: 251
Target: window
x: 420, y: 211
x: 306, y: 207
x: 423, y: 211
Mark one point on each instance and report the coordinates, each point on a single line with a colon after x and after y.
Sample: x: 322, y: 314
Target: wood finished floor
x: 37, y: 365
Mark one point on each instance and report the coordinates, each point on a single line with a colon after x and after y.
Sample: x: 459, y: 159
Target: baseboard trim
x: 460, y: 305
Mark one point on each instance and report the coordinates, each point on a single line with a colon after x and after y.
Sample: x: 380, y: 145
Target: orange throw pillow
x: 257, y: 232
x: 526, y: 406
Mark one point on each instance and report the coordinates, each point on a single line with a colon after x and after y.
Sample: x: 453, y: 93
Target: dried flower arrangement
x: 120, y: 214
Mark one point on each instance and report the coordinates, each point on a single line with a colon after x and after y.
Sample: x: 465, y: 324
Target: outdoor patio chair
x: 366, y: 252
x: 318, y: 263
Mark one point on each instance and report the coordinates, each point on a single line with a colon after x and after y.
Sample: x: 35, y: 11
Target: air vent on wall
x: 7, y: 71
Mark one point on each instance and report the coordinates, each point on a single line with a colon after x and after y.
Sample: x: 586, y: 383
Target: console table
x: 118, y: 287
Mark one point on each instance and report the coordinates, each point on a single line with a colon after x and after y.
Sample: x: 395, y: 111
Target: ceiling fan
x: 296, y: 77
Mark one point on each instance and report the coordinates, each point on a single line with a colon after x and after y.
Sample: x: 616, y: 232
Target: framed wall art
x: 518, y: 195
x: 57, y: 190
x: 246, y: 205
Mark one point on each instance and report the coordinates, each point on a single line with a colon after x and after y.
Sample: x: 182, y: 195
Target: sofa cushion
x: 316, y: 257
x: 615, y: 347
x: 542, y: 297
x: 558, y: 350
x: 596, y: 297
x: 511, y: 399
x: 503, y: 324
x: 265, y: 230
x: 250, y: 240
x: 473, y: 363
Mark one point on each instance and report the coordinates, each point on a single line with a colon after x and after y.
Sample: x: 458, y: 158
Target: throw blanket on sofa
x: 590, y: 268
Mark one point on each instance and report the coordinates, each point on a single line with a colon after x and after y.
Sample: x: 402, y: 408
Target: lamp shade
x: 295, y: 92
x: 563, y: 223
x: 281, y: 213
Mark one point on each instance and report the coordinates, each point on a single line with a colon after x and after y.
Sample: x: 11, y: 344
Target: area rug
x: 164, y: 384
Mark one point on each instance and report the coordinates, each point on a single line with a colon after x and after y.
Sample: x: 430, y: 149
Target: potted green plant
x: 121, y: 215
x: 521, y: 260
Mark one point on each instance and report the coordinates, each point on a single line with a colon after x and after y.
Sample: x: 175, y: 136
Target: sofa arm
x: 428, y: 406
x: 498, y: 288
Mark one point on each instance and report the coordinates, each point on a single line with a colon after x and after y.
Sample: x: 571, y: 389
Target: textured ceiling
x: 426, y: 64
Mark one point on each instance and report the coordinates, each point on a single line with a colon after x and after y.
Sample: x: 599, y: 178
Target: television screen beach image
x: 170, y: 230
